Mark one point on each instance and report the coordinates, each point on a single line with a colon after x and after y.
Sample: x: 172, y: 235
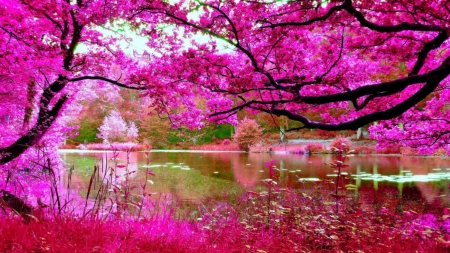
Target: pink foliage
x: 388, y: 149
x: 248, y: 132
x: 314, y: 147
x: 115, y: 129
x: 364, y: 150
x: 226, y: 142
x: 341, y: 143
x: 259, y: 147
x: 295, y: 149
x: 215, y: 147
x: 408, y: 151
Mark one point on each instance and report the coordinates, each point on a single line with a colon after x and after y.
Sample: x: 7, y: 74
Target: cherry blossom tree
x: 41, y: 69
x: 115, y: 129
x: 49, y: 53
x: 248, y: 132
x: 351, y: 62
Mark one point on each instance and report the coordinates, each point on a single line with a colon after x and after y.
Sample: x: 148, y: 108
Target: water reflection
x: 199, y: 176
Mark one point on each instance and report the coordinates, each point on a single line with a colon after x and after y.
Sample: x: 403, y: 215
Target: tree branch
x: 101, y: 78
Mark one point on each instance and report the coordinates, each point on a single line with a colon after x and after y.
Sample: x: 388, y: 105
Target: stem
x: 339, y: 164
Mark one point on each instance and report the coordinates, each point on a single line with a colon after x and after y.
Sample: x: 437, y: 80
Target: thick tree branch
x: 347, y: 6
x: 422, y: 56
x: 101, y: 78
x: 76, y: 36
x: 34, y: 135
x: 387, y: 88
x: 390, y: 113
x: 405, y: 26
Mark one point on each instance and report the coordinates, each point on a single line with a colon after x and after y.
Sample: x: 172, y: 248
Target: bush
x: 341, y: 143
x: 260, y: 147
x: 226, y: 142
x: 248, y: 133
x: 364, y: 150
x: 440, y: 152
x: 312, y: 148
x: 214, y: 147
x: 391, y: 149
x: 408, y: 151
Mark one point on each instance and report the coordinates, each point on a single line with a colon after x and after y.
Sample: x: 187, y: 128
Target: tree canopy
x: 351, y: 62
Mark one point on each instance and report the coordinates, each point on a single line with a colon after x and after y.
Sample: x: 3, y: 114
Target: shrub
x: 314, y: 147
x: 440, y: 152
x: 364, y: 150
x: 214, y: 147
x: 260, y: 147
x: 341, y: 143
x: 391, y: 149
x: 226, y: 142
x: 293, y: 149
x: 248, y: 133
x: 408, y: 151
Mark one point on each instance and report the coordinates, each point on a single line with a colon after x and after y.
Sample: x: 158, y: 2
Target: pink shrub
x: 341, y: 143
x: 408, y: 151
x: 295, y: 149
x: 440, y: 152
x: 388, y: 149
x: 226, y: 142
x: 215, y: 147
x: 259, y: 147
x: 248, y: 133
x: 364, y: 150
x: 314, y: 147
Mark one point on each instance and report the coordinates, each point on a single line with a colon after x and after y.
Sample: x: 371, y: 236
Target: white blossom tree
x: 115, y: 129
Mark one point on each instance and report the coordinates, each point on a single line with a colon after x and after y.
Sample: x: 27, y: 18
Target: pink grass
x: 72, y: 234
x: 299, y: 223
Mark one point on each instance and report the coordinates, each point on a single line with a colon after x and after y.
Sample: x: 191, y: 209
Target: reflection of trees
x: 226, y: 163
x: 248, y: 175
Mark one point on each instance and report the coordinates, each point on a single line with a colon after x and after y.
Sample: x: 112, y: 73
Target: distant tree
x: 154, y: 129
x: 247, y: 133
x: 115, y: 129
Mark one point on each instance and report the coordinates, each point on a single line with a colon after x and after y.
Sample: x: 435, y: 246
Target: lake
x: 201, y: 176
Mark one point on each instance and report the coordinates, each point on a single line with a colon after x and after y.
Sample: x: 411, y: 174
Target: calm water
x: 193, y: 176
